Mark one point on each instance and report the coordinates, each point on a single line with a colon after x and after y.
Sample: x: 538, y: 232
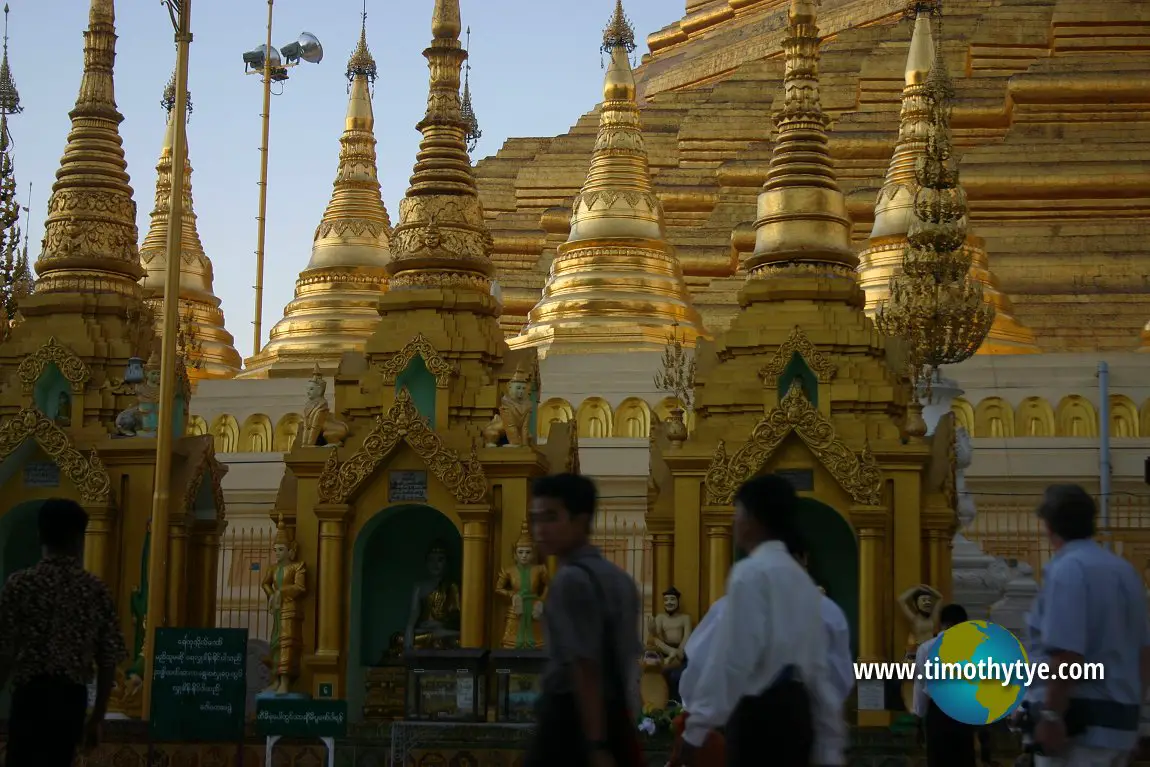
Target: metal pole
x: 1104, y: 449
x: 258, y: 329
x: 157, y: 615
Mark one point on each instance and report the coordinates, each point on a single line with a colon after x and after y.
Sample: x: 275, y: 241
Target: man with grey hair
x: 1092, y: 609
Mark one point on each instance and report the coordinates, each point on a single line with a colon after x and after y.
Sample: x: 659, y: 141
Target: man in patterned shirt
x: 58, y: 626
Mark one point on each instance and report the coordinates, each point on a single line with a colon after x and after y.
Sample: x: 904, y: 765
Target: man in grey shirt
x: 590, y: 687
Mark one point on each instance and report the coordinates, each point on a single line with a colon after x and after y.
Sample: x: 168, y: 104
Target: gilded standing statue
x: 920, y: 604
x: 285, y: 586
x: 524, y: 585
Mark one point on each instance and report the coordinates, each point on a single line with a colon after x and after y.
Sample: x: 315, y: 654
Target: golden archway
x: 86, y: 473
x: 858, y: 474
x: 436, y: 365
x: 465, y: 479
x: 797, y: 343
x: 53, y: 352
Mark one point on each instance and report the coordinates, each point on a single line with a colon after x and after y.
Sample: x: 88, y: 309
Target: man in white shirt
x: 839, y: 656
x: 949, y: 743
x: 766, y: 677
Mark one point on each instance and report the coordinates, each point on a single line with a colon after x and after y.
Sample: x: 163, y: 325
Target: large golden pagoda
x: 77, y: 403
x: 201, y: 319
x: 335, y: 309
x: 616, y: 284
x: 881, y: 256
x: 1049, y: 159
x: 802, y: 383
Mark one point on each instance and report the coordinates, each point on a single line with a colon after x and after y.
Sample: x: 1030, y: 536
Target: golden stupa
x: 616, y: 284
x: 335, y: 309
x: 74, y: 412
x: 214, y: 353
x: 881, y: 256
x: 801, y: 382
x: 431, y: 376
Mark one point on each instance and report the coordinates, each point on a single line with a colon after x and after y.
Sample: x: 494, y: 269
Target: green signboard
x: 199, y: 685
x: 301, y: 717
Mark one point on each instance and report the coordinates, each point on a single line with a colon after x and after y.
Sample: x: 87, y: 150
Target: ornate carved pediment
x: 87, y: 473
x: 209, y: 469
x: 70, y: 366
x: 464, y: 478
x: 858, y: 474
x: 436, y: 365
x: 822, y: 366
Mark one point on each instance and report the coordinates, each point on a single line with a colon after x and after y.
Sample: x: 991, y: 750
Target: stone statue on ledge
x: 285, y: 586
x: 143, y: 418
x: 63, y: 410
x: 920, y: 604
x: 320, y: 428
x: 524, y: 586
x: 435, y: 606
x: 514, y: 417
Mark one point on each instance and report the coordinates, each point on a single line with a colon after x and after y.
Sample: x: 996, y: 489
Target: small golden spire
x: 361, y: 63
x: 618, y: 33
x: 616, y: 284
x: 442, y: 241
x: 9, y: 96
x: 803, y: 217
x: 216, y: 355
x: 466, y: 109
x: 336, y: 304
x: 90, y: 233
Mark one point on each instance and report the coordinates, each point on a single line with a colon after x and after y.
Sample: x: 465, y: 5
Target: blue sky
x: 535, y: 70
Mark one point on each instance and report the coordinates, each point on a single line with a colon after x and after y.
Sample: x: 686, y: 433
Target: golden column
x: 870, y: 525
x: 616, y: 284
x: 336, y: 304
x: 101, y: 522
x: 178, y: 572
x: 330, y: 602
x: 476, y: 575
x: 201, y: 319
x: 718, y: 554
x: 157, y: 610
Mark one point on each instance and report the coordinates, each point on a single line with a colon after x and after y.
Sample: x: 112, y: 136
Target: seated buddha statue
x: 433, y: 623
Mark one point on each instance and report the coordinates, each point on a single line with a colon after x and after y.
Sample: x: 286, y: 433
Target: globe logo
x: 976, y: 672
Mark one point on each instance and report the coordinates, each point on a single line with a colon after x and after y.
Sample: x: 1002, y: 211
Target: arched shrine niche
x: 389, y: 558
x: 832, y: 558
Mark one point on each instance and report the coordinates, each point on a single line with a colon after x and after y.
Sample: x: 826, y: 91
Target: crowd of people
x: 768, y: 670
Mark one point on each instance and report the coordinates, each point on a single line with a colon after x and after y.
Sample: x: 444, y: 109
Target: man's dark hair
x: 770, y: 499
x: 1069, y: 511
x: 576, y: 492
x: 62, y: 523
x: 952, y: 615
x: 672, y: 592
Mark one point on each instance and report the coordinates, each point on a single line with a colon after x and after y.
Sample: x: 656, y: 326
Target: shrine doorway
x: 19, y: 538
x: 19, y: 550
x: 388, y: 559
x: 833, y: 559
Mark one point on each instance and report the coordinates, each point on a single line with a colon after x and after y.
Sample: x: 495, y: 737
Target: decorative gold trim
x: 439, y: 367
x: 70, y: 366
x: 465, y: 479
x: 823, y: 367
x: 858, y: 474
x: 210, y: 468
x: 86, y: 473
